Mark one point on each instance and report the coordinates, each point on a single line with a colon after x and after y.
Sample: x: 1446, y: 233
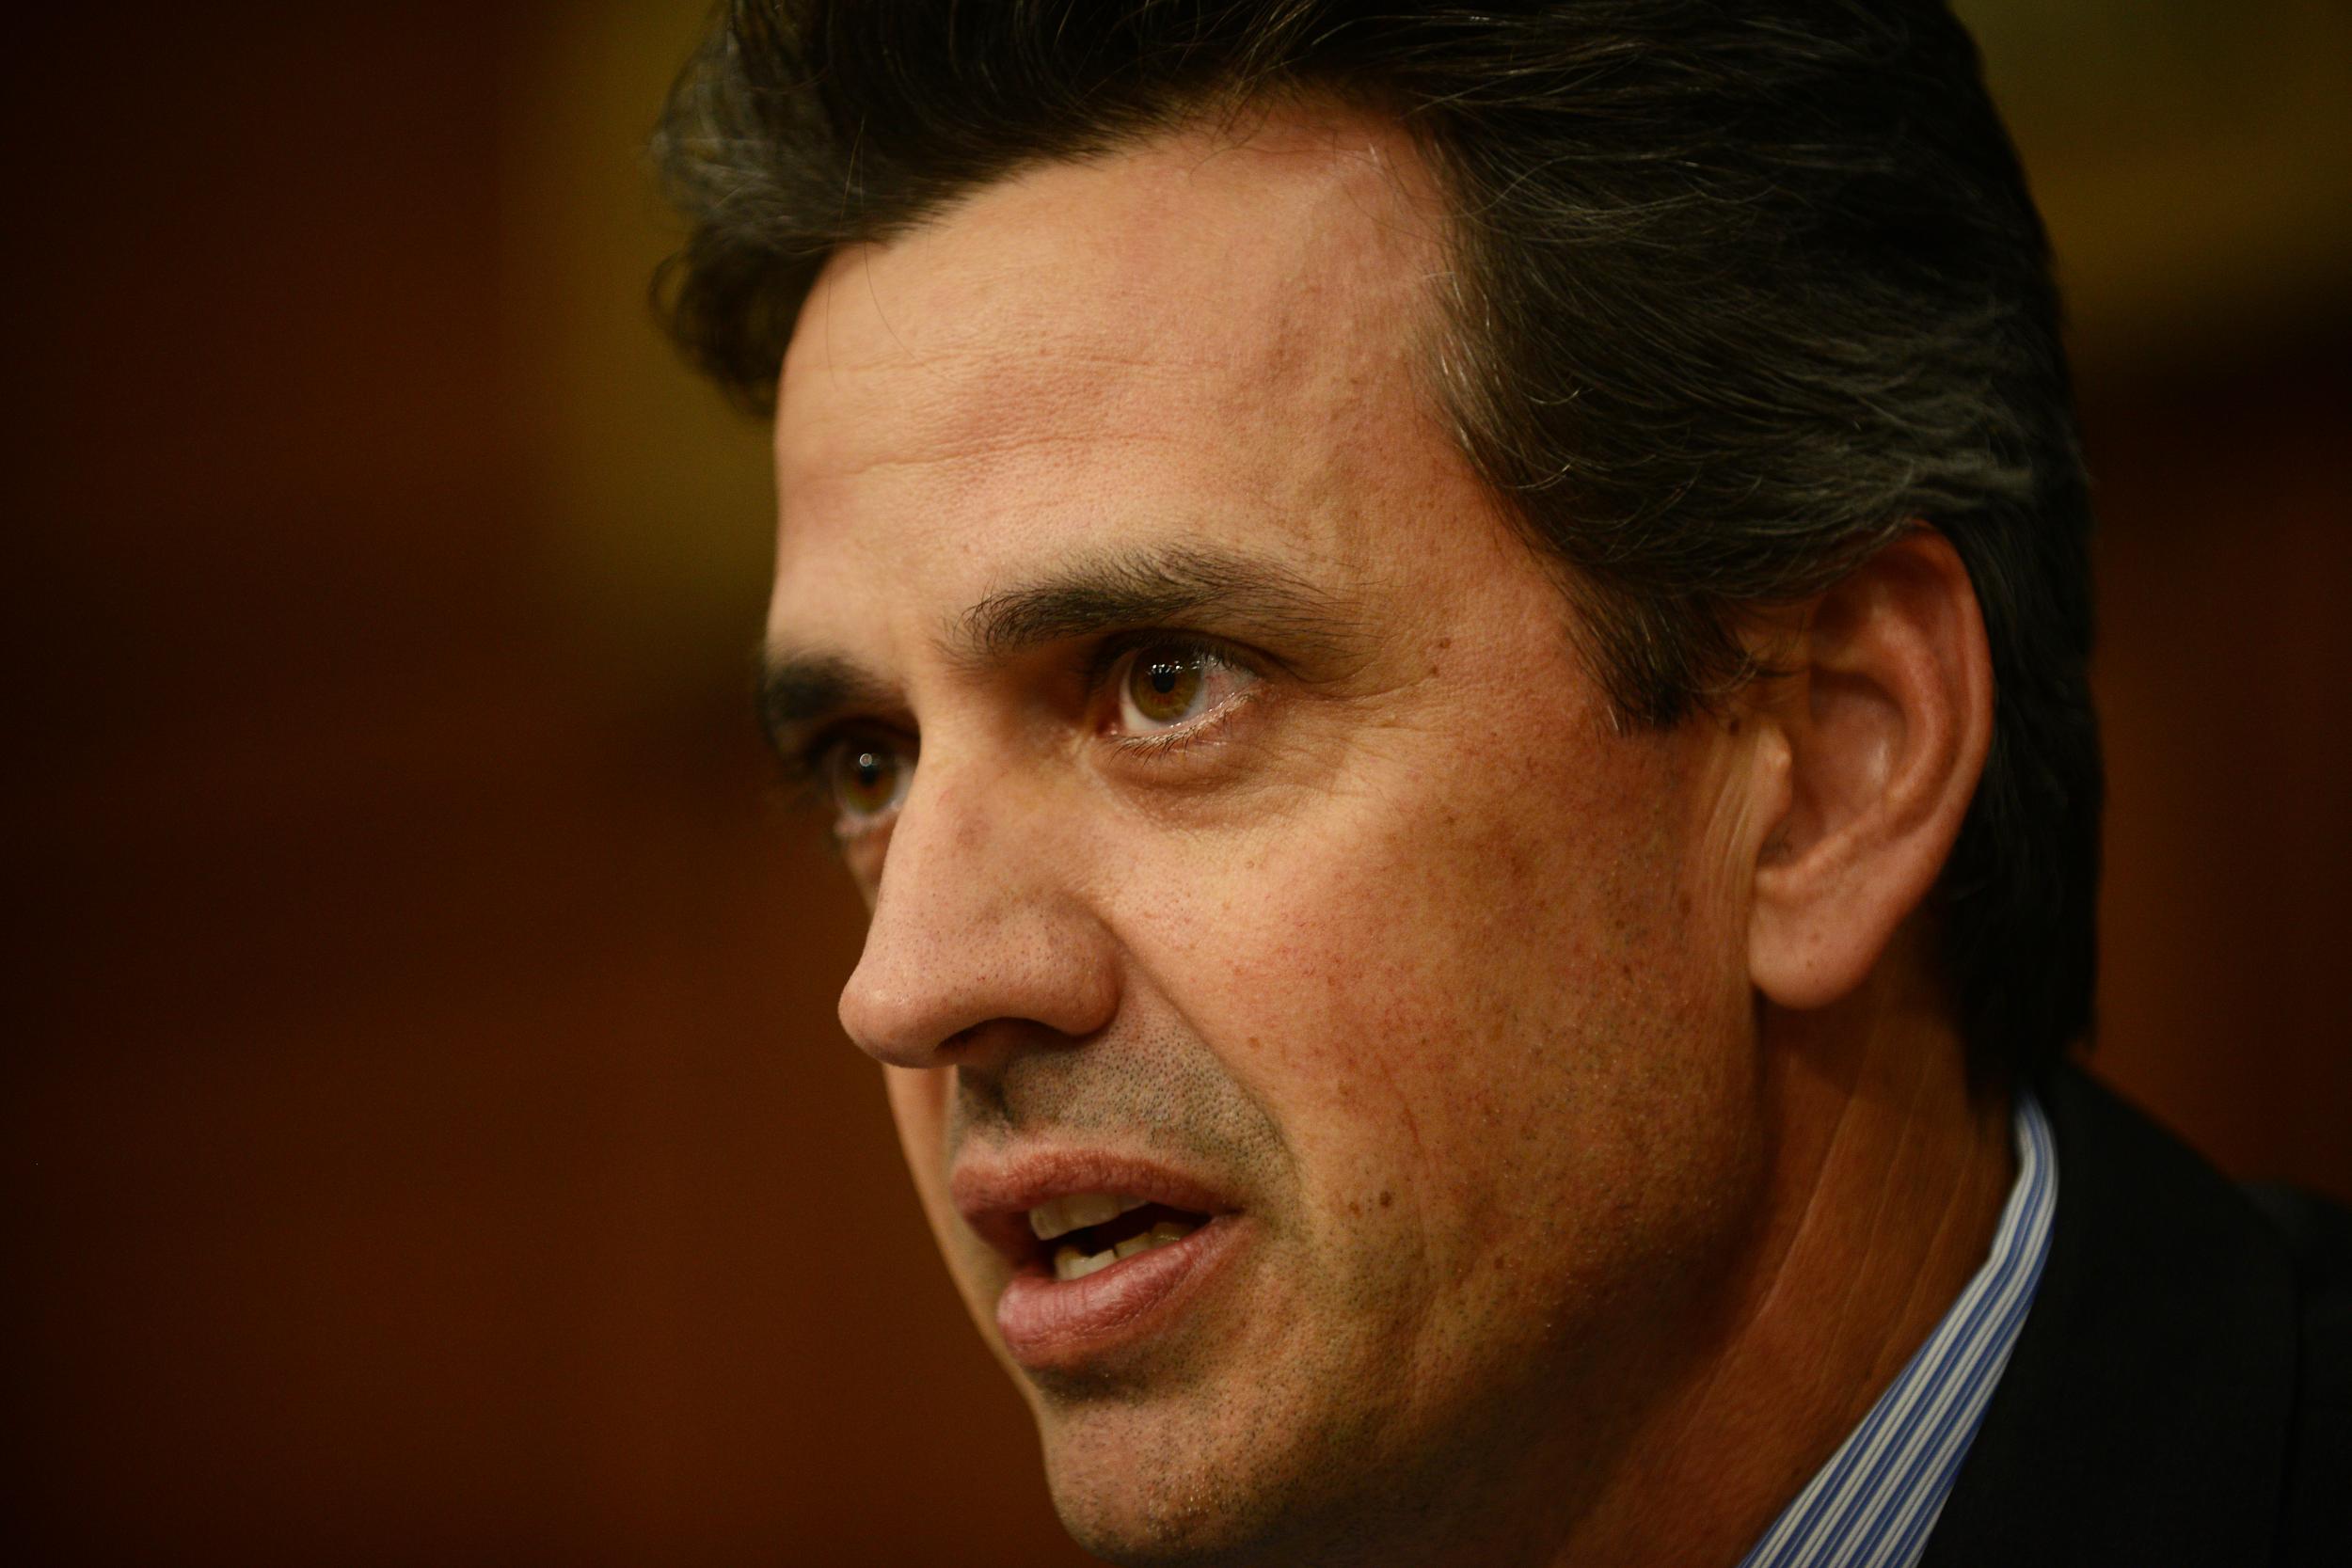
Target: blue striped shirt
x: 1873, y: 1504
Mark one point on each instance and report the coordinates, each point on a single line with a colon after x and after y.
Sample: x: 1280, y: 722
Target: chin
x: 1135, y: 1486
x: 1147, y: 1481
x: 1164, y: 1522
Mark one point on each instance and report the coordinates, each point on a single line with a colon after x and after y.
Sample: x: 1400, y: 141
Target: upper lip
x: 994, y: 1192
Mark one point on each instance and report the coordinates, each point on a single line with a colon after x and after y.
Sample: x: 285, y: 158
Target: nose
x: 981, y: 936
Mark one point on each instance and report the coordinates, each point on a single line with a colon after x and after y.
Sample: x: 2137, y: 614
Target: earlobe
x: 1886, y: 713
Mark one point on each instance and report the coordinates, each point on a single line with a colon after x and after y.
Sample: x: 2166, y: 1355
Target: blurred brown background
x: 427, y: 1136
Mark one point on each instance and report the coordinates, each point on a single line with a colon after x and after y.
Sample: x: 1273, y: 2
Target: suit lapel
x: 2144, y: 1412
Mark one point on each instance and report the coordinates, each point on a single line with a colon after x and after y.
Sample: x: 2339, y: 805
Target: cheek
x: 918, y: 1104
x: 1445, y: 1009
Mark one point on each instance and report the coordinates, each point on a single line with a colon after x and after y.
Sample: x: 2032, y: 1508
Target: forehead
x: 1213, y: 333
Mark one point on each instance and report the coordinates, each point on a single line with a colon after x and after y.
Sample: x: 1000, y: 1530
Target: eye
x: 1169, y: 686
x: 865, y: 778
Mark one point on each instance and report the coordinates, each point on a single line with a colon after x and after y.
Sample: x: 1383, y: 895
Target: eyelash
x: 1163, y: 744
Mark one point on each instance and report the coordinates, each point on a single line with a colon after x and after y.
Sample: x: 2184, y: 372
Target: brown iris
x: 1165, y: 683
x: 866, y: 778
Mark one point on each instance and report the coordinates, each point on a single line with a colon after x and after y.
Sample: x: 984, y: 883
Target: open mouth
x: 1098, y: 1271
x: 1086, y: 1232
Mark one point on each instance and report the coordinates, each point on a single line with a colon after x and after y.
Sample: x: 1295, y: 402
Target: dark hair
x: 1743, y: 289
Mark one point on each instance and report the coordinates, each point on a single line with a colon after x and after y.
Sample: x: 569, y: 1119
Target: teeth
x: 1070, y: 1264
x: 1060, y: 1217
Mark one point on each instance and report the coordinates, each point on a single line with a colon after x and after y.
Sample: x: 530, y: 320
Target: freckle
x: 1444, y: 643
x: 1387, y: 1197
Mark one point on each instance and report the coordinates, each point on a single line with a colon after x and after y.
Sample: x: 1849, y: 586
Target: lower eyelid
x: 1201, y: 728
x: 861, y: 848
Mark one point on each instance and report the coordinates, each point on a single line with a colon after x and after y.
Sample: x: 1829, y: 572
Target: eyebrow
x: 799, y: 691
x: 1252, y: 598
x: 1171, y: 585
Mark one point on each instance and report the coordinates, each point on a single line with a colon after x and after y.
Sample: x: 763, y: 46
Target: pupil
x: 870, y: 772
x: 1165, y: 676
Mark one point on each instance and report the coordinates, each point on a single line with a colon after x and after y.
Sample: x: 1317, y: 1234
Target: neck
x: 1885, y: 1181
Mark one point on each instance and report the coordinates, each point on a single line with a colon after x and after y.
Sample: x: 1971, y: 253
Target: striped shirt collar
x: 1873, y: 1504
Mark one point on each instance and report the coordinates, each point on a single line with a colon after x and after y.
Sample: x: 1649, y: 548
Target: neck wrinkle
x: 1885, y: 1177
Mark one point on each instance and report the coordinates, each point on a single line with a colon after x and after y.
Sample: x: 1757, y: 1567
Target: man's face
x: 1242, y: 835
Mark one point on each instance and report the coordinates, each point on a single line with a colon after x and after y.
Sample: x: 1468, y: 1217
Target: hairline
x: 1446, y: 361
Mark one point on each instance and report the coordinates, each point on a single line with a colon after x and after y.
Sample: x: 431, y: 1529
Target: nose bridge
x: 979, y: 918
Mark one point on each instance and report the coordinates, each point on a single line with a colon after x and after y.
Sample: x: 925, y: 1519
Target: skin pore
x: 1593, y: 1140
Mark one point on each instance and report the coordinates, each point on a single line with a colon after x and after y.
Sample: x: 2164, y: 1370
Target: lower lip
x: 1049, y: 1323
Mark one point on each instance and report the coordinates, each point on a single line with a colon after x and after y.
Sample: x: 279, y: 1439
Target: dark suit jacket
x: 2182, y: 1390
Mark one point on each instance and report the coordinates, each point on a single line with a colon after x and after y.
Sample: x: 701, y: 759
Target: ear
x: 1885, y: 715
